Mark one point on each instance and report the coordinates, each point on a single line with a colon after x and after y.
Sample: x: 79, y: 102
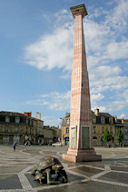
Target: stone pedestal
x: 80, y: 141
x: 81, y: 156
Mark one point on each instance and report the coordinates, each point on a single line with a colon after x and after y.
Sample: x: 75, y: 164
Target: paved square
x: 111, y: 174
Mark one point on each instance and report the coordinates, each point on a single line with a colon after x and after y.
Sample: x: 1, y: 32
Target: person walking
x: 14, y: 146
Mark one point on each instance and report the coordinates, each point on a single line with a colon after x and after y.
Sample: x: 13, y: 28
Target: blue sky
x: 36, y: 50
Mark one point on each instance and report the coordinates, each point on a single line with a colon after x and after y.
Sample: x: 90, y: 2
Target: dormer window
x: 17, y: 119
x: 7, y: 119
x: 102, y: 120
x: 111, y: 120
x: 94, y: 120
x: 67, y: 130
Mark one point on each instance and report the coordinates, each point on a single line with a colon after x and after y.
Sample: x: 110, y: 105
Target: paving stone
x: 22, y: 159
x: 10, y: 182
x: 11, y: 169
x: 72, y: 177
x: 119, y: 168
x: 88, y: 171
x: 96, y: 164
x: 87, y: 187
x: 116, y: 177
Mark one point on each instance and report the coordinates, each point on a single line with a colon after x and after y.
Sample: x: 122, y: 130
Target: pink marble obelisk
x: 80, y: 144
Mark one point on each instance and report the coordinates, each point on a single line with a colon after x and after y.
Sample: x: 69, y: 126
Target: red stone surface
x: 80, y: 98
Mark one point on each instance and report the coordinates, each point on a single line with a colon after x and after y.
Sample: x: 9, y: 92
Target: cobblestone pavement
x: 111, y: 174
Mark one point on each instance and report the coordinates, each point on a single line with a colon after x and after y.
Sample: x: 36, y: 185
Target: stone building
x: 65, y: 129
x: 123, y: 125
x: 99, y: 122
x: 56, y: 133
x: 51, y: 134
x: 23, y: 128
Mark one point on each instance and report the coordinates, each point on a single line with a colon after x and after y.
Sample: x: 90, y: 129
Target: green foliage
x: 119, y: 135
x: 107, y: 136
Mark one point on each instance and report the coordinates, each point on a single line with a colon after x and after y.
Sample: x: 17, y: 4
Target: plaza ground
x: 111, y: 174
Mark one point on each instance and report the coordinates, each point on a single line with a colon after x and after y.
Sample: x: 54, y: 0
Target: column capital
x: 79, y: 10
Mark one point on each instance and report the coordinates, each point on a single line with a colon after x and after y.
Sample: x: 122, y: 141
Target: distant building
x: 100, y: 121
x: 65, y: 129
x: 52, y: 132
x: 123, y: 125
x: 38, y: 115
x: 22, y: 127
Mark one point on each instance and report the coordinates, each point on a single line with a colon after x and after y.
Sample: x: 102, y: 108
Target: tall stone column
x: 80, y: 142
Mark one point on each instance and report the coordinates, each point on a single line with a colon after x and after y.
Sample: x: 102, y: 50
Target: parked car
x: 58, y: 144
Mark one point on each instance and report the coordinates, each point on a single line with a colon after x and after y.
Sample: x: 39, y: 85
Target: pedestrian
x: 14, y: 146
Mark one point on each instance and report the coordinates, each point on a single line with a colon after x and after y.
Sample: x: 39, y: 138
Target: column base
x: 82, y: 155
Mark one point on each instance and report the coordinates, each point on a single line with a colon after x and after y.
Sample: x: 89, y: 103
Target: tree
x: 107, y: 137
x: 119, y: 136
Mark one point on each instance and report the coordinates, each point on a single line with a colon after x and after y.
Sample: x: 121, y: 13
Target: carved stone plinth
x: 81, y: 156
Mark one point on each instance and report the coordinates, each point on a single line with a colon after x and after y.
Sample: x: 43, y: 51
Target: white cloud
x: 54, y: 101
x: 116, y: 106
x: 118, y: 17
x: 51, y: 121
x: 56, y: 49
x: 105, y: 72
x: 101, y: 108
x: 97, y: 97
x: 96, y: 36
x: 107, y: 51
x: 122, y: 116
x: 117, y: 50
x: 95, y: 101
x: 52, y: 50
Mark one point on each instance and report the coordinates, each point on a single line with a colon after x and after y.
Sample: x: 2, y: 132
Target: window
x: 29, y: 122
x: 2, y: 118
x: 111, y: 131
x: 12, y: 119
x: 94, y: 120
x: 7, y: 119
x: 17, y: 119
x: 22, y: 119
x: 94, y: 129
x: 102, y: 120
x: 6, y: 129
x: 67, y: 130
x: 111, y: 120
x: 67, y: 121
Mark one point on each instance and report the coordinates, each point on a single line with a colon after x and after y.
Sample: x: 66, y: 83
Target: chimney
x: 96, y: 111
x: 115, y: 118
x: 29, y: 114
x: 38, y: 115
x: 67, y: 114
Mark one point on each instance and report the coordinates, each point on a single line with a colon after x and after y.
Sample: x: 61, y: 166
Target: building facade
x: 23, y: 128
x: 123, y: 125
x: 100, y: 121
x: 65, y: 129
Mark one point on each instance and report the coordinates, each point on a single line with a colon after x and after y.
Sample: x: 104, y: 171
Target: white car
x: 58, y: 144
